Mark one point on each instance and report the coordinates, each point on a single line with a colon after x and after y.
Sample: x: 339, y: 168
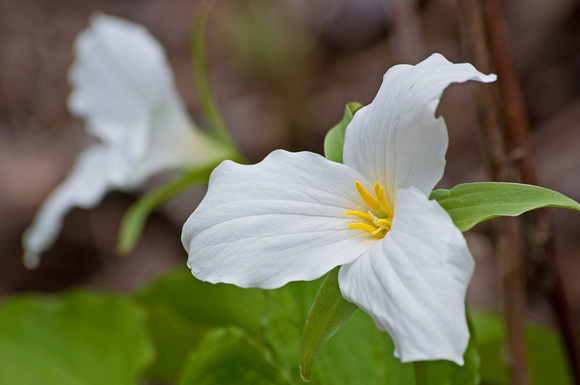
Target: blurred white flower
x: 296, y: 216
x: 123, y: 88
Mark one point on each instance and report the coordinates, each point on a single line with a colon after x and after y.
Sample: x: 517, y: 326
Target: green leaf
x: 545, y: 350
x: 472, y: 203
x: 334, y: 140
x: 283, y: 322
x: 358, y: 353
x: 229, y: 356
x: 78, y: 338
x: 134, y: 219
x: 182, y: 309
x: 327, y: 316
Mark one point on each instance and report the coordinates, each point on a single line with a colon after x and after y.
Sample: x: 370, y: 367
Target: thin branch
x: 541, y: 253
x: 516, y: 117
x: 542, y: 249
x: 512, y: 274
x: 508, y: 231
x: 406, y: 34
x: 486, y: 97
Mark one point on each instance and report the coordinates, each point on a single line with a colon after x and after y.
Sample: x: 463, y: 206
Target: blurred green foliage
x: 229, y: 356
x: 183, y: 309
x: 79, y: 338
x: 181, y: 329
x: 547, y: 361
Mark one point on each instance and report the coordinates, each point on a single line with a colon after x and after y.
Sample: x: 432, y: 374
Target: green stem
x: 134, y: 219
x: 420, y: 373
x: 207, y: 101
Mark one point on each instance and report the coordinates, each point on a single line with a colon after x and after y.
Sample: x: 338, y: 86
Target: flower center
x: 377, y: 220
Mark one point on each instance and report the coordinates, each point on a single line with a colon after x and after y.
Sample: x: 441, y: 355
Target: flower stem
x: 134, y: 219
x: 207, y: 101
x: 420, y: 373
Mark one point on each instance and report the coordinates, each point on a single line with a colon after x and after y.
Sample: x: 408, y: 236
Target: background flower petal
x: 124, y: 89
x: 119, y: 75
x: 96, y: 171
x: 413, y: 283
x: 396, y: 140
x: 278, y: 221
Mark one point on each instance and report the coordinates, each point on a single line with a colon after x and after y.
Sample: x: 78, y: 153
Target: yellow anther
x: 380, y: 193
x: 364, y: 227
x: 379, y: 232
x: 368, y: 198
x: 380, y: 215
x: 384, y: 223
x: 359, y: 214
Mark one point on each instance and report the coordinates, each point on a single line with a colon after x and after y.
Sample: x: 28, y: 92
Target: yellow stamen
x: 368, y: 198
x: 364, y: 227
x: 359, y: 214
x: 384, y: 222
x: 377, y: 232
x: 380, y: 216
x: 380, y: 193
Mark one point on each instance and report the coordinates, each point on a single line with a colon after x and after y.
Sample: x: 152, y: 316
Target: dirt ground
x: 282, y: 72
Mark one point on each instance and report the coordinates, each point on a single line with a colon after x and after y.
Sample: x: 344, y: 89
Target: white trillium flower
x: 296, y: 216
x: 123, y: 88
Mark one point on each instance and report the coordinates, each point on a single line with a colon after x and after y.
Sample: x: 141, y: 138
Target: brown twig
x: 538, y: 224
x: 514, y: 296
x: 406, y: 34
x: 492, y: 137
x: 508, y: 231
x: 540, y: 242
x: 516, y: 117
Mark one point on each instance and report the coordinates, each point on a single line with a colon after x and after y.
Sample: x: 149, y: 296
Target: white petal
x: 278, y: 221
x: 413, y: 283
x: 119, y: 75
x: 175, y: 144
x: 396, y: 140
x: 96, y: 171
x: 124, y: 89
